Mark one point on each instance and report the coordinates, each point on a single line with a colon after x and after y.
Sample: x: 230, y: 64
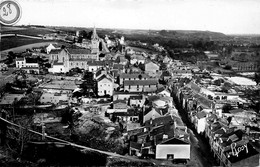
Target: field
x: 13, y: 42
x: 27, y: 31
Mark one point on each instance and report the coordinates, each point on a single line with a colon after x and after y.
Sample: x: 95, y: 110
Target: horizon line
x: 135, y: 29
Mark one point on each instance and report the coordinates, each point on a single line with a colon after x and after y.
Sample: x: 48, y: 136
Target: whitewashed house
x: 28, y: 65
x: 58, y: 67
x: 200, y: 122
x: 151, y: 67
x: 173, y: 149
x: 105, y: 86
x: 51, y: 47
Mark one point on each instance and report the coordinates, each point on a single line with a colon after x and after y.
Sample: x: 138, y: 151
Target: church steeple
x: 94, y: 34
x: 95, y: 42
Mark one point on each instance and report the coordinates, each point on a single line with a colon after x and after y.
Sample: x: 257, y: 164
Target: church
x: 67, y: 58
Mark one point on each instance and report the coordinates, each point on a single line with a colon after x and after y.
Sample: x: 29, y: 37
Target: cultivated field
x: 26, y: 31
x: 13, y: 42
x: 24, y: 47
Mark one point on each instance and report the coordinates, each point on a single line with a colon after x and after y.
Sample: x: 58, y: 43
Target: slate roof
x: 159, y: 121
x: 79, y: 51
x: 19, y: 59
x: 175, y: 71
x: 138, y: 57
x: 134, y: 97
x: 203, y: 101
x: 33, y: 68
x: 135, y: 145
x: 161, y: 89
x: 81, y: 60
x: 96, y: 63
x: 140, y: 82
x: 234, y: 111
x: 130, y: 112
x: 194, y: 86
x: 125, y: 75
x: 118, y: 66
x: 103, y: 77
x: 119, y: 101
x: 31, y: 60
x: 201, y: 115
x: 99, y: 72
x: 215, y: 126
x: 178, y: 120
x: 57, y: 63
x: 55, y: 51
x: 174, y: 141
x: 115, y: 73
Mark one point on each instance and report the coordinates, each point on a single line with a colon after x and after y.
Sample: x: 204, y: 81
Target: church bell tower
x: 94, y: 42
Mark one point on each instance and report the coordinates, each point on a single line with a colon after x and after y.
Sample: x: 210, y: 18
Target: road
x: 200, y: 148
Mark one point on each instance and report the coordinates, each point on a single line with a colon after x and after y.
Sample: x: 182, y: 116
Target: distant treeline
x: 37, y: 26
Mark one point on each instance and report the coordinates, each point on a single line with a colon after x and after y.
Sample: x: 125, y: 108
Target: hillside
x: 173, y: 34
x: 33, y: 31
x: 174, y: 38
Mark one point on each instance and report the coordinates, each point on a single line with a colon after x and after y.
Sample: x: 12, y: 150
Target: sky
x: 226, y: 16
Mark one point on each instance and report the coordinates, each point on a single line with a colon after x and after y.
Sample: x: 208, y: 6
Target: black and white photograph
x: 125, y: 83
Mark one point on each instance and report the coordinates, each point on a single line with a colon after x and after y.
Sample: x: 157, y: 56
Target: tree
x: 20, y: 136
x: 89, y: 85
x: 10, y: 57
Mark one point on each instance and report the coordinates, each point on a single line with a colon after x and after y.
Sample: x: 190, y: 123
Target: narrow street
x: 200, y: 147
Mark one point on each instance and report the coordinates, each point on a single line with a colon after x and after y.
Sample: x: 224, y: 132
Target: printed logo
x: 10, y: 12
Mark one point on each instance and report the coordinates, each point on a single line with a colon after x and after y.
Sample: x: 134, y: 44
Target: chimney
x: 165, y: 137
